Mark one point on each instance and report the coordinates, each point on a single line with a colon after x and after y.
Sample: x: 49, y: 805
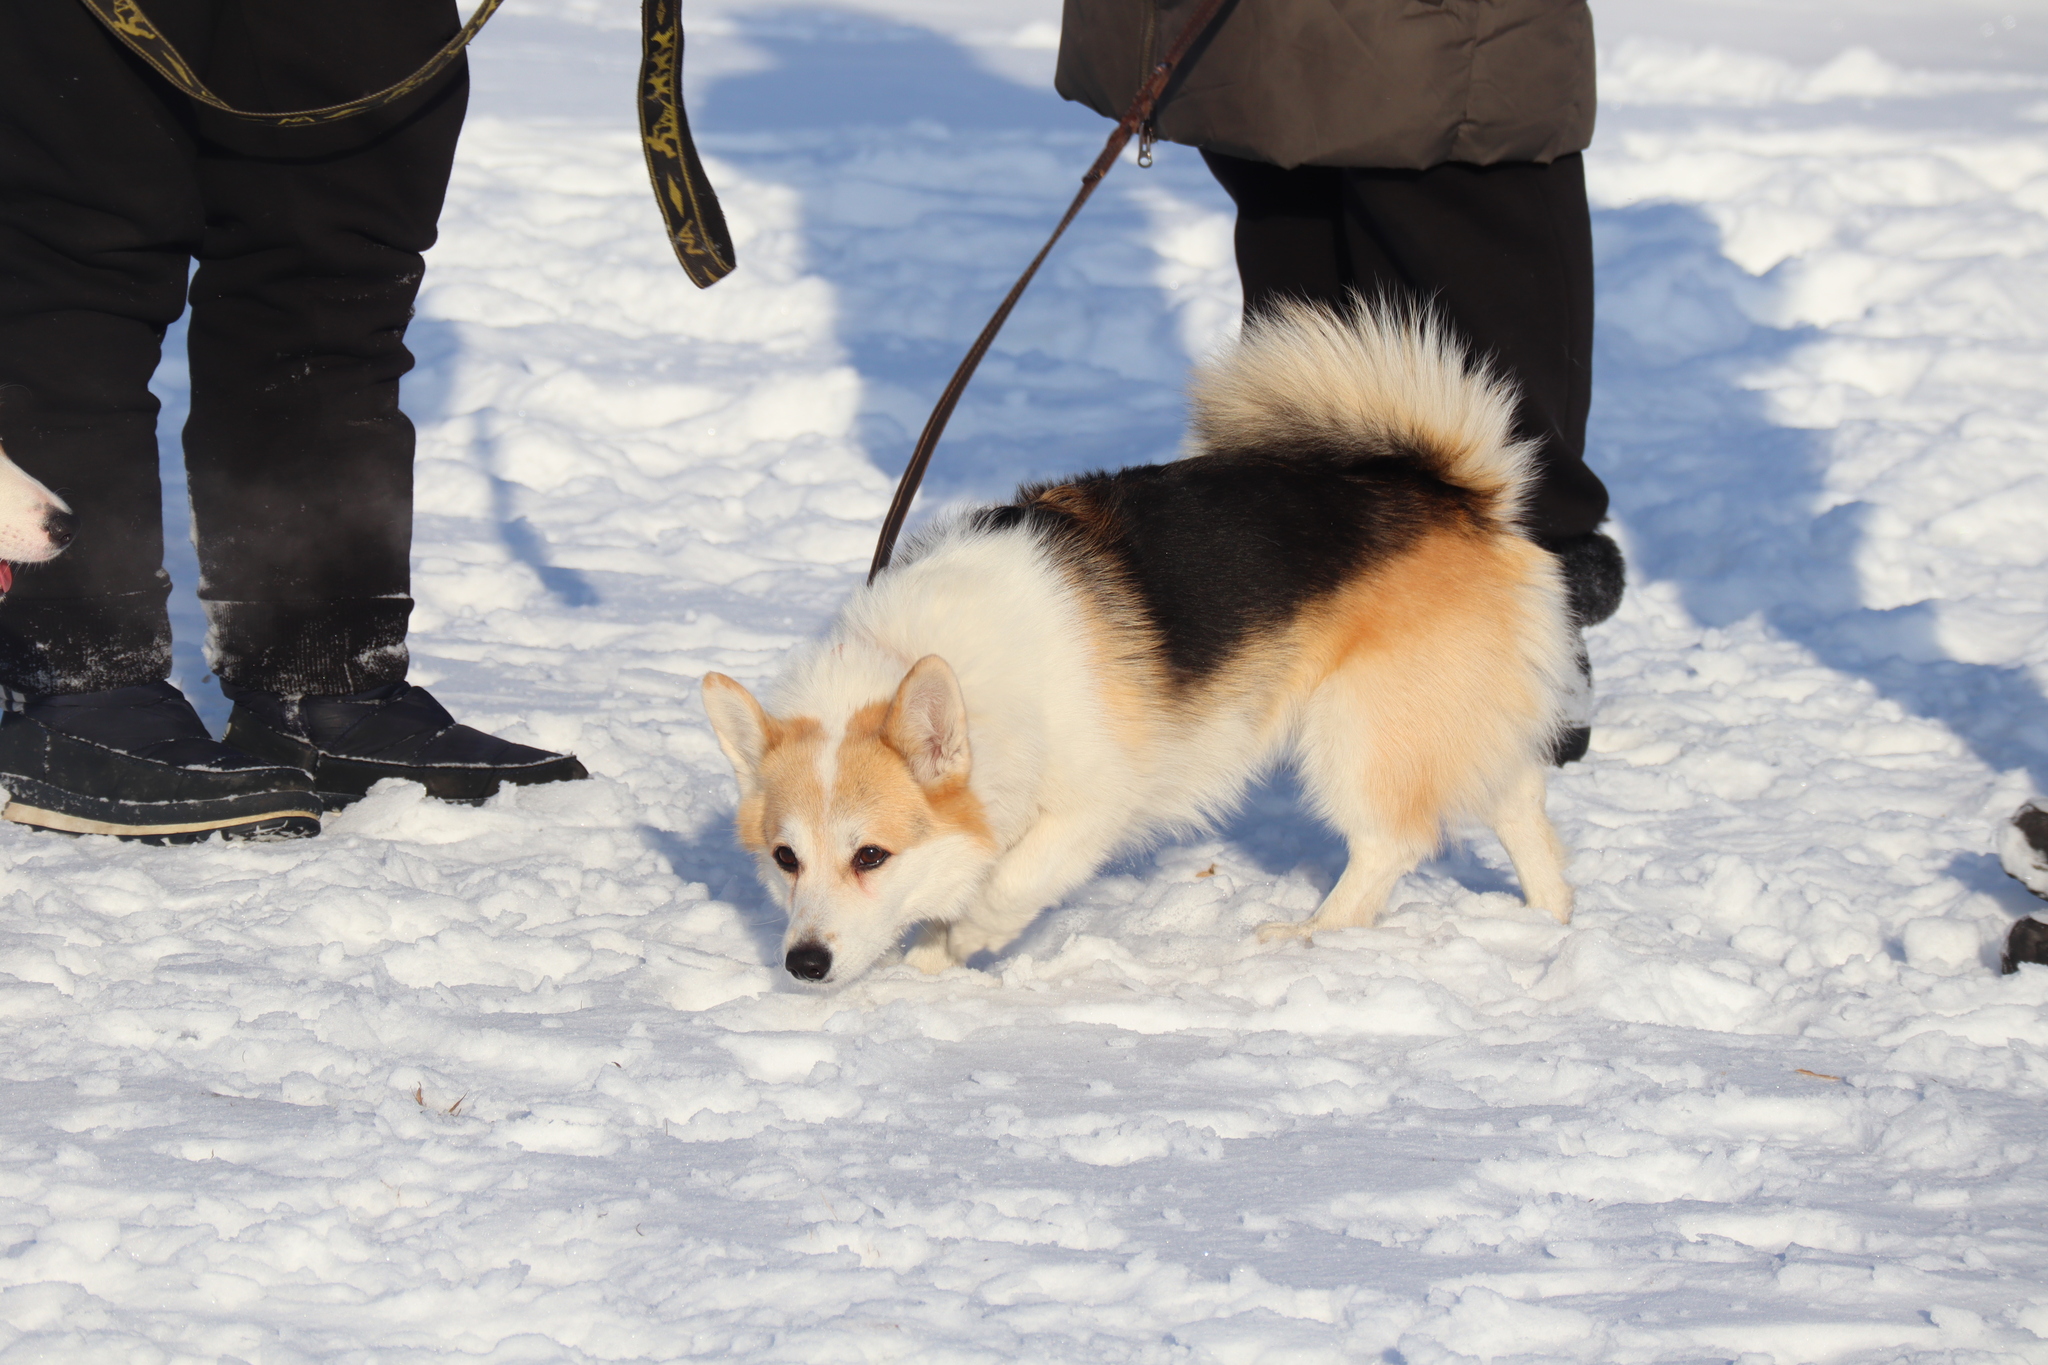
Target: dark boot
x: 2028, y: 942
x: 2023, y: 852
x: 1594, y: 577
x: 2023, y: 847
x: 1575, y: 735
x: 137, y: 763
x: 398, y: 730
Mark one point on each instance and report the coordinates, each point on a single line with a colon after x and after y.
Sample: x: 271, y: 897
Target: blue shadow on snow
x: 918, y: 266
x: 1719, y: 498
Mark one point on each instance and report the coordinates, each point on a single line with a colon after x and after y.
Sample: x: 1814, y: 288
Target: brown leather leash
x: 689, y: 207
x: 1136, y: 118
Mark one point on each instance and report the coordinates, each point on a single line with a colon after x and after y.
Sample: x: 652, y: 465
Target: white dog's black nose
x: 809, y: 961
x: 60, y: 527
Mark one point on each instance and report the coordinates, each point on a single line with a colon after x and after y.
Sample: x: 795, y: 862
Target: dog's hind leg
x: 1533, y: 846
x: 1441, y: 692
x: 1369, y: 772
x: 1355, y: 902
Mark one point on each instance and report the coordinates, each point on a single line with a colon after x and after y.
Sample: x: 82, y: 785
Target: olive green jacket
x: 1388, y: 83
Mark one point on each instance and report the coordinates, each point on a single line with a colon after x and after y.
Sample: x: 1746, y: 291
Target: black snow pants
x: 308, y: 247
x: 1504, y: 252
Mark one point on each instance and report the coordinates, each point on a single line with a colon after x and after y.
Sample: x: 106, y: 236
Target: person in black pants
x: 307, y: 243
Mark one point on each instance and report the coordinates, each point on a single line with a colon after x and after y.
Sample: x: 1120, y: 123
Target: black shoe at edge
x: 1595, y: 576
x: 349, y: 743
x: 2027, y: 942
x: 138, y: 763
x: 2023, y: 852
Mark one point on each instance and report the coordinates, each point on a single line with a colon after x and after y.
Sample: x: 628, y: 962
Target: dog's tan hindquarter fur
x: 1429, y: 695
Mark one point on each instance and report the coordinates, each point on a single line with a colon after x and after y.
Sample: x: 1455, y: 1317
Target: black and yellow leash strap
x: 689, y: 206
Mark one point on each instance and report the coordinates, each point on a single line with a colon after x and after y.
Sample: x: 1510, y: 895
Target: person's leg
x: 1505, y: 253
x: 299, y: 457
x: 98, y: 215
x: 1290, y: 234
x: 99, y: 212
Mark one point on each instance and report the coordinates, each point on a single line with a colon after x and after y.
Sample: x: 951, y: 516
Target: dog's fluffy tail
x: 1384, y: 379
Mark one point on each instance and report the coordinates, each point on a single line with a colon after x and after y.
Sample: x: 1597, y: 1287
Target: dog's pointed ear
x: 741, y: 726
x: 927, y: 723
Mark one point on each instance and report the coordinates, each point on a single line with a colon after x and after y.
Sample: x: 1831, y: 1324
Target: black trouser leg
x: 299, y: 458
x: 1290, y: 232
x: 309, y: 243
x: 1503, y: 252
x: 98, y: 214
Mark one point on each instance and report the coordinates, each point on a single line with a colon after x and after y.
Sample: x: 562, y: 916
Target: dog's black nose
x: 60, y: 527
x: 809, y: 961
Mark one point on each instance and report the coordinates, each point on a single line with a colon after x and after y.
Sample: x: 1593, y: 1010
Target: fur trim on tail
x: 1381, y: 376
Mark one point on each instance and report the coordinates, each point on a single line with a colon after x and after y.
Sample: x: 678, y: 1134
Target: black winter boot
x: 2028, y: 942
x: 137, y: 763
x: 1594, y: 576
x: 2023, y: 852
x: 397, y: 730
x: 2023, y: 847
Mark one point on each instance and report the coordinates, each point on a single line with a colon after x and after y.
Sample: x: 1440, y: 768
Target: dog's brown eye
x: 867, y: 858
x: 785, y: 858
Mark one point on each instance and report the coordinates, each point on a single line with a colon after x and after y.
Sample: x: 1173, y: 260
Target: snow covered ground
x: 523, y: 1083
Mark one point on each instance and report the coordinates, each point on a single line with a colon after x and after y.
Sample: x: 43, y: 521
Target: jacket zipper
x: 1148, y: 133
x: 1149, y: 42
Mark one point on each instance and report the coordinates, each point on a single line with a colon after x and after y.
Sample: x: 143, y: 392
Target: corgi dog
x: 35, y: 524
x: 1334, y: 574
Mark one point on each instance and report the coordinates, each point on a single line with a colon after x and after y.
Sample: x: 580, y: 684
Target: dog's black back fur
x: 1219, y: 545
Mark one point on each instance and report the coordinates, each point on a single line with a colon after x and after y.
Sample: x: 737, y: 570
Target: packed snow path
x: 523, y: 1083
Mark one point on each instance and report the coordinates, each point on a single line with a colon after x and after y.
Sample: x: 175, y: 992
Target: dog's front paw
x: 933, y: 951
x: 1281, y: 930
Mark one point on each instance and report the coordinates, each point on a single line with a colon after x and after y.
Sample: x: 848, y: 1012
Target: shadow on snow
x: 1720, y: 499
